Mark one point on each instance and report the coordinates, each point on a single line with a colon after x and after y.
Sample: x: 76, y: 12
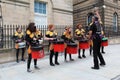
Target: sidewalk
x: 80, y: 69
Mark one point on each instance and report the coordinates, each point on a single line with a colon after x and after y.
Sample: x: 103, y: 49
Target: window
x: 89, y: 18
x: 115, y: 22
x: 40, y: 7
x: 40, y: 10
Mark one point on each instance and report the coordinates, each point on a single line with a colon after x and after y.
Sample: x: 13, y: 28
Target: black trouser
x: 52, y: 53
x: 17, y: 53
x: 96, y: 52
x: 65, y: 55
x: 29, y: 61
x: 79, y: 50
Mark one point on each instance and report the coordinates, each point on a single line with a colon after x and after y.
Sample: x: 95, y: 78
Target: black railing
x: 7, y: 31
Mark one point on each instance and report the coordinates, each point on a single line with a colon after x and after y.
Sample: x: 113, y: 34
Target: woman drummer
x: 51, y: 35
x: 80, y: 35
x: 19, y: 37
x: 32, y: 34
x: 68, y: 39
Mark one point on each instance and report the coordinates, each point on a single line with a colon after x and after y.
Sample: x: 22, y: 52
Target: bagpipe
x: 37, y: 49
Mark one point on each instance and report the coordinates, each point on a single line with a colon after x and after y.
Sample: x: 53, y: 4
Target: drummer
x: 51, y: 35
x: 19, y: 37
x: 32, y: 34
x: 68, y: 39
x: 80, y: 35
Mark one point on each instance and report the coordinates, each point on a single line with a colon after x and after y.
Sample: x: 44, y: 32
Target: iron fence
x: 7, y: 31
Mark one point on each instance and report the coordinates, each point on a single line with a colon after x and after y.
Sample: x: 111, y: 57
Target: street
x: 80, y: 69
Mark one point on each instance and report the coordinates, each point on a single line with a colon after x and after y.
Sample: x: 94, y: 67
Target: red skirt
x: 38, y: 54
x: 58, y: 46
x: 71, y: 48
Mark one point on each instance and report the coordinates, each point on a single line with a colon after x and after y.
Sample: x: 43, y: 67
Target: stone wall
x: 59, y: 12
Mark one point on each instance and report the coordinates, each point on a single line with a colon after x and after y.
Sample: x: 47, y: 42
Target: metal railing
x: 7, y: 31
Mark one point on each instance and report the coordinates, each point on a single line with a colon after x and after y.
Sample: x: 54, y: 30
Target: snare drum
x: 37, y: 53
x: 58, y: 46
x: 36, y: 48
x: 83, y: 44
x: 71, y: 48
x: 104, y: 42
x: 21, y: 45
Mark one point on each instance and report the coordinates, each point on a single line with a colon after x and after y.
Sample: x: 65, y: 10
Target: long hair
x: 31, y: 27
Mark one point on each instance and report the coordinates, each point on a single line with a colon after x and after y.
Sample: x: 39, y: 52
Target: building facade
x: 42, y: 12
x: 109, y: 12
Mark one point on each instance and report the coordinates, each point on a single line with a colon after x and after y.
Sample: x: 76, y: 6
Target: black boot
x: 83, y: 54
x: 71, y: 57
x: 51, y: 56
x: 23, y: 51
x: 79, y: 56
x: 17, y: 55
x: 103, y: 50
x: 65, y: 55
x: 56, y: 58
x: 90, y: 50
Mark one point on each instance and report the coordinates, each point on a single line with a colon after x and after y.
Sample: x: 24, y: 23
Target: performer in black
x: 95, y: 33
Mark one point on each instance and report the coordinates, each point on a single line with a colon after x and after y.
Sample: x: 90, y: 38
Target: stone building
x: 42, y: 12
x: 109, y: 11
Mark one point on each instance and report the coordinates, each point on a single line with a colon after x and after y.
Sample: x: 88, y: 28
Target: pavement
x: 80, y: 69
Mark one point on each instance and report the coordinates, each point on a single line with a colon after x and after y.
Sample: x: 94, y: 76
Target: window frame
x: 42, y: 9
x: 115, y: 22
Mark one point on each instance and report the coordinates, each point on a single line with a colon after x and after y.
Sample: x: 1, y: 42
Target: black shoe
x: 51, y: 64
x: 103, y: 52
x: 57, y: 63
x: 101, y: 64
x: 71, y: 59
x: 17, y: 61
x: 23, y: 60
x: 36, y: 67
x: 83, y: 56
x: 28, y: 70
x: 96, y: 68
x: 79, y: 57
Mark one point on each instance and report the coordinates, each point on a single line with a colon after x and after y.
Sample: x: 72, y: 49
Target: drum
x: 36, y: 48
x: 71, y: 48
x: 37, y: 54
x: 58, y: 46
x: 40, y: 41
x: 104, y: 42
x: 83, y: 44
x: 21, y: 45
